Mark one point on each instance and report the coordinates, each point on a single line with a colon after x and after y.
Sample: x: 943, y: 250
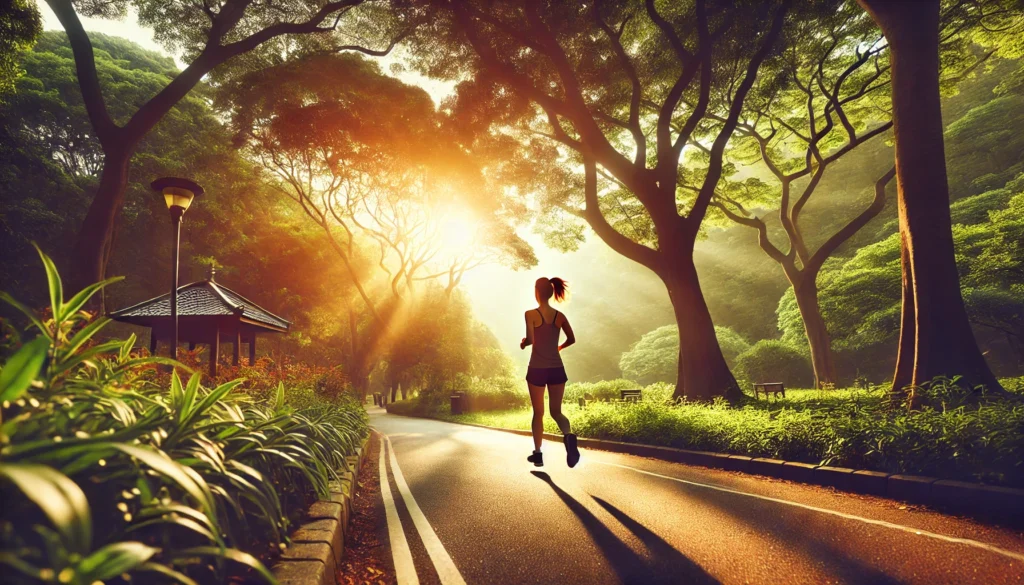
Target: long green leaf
x: 60, y: 499
x: 22, y: 368
x: 230, y: 554
x: 113, y: 560
x: 188, y: 399
x: 78, y: 301
x: 83, y: 335
x: 279, y: 398
x: 56, y: 289
x: 25, y: 310
x: 167, y: 572
x: 210, y: 399
x: 173, y: 471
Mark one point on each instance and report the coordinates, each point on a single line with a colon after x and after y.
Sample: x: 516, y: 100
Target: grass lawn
x: 950, y: 437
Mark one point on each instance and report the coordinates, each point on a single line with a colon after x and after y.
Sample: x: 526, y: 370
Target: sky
x: 499, y: 296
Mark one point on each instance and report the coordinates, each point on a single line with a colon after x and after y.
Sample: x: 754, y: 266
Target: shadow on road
x: 670, y: 566
x: 801, y: 531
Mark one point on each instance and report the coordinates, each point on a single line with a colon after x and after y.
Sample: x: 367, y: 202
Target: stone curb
x: 973, y: 499
x: 318, y: 545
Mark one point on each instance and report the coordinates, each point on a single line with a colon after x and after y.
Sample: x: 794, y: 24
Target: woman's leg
x: 555, y: 393
x: 537, y: 400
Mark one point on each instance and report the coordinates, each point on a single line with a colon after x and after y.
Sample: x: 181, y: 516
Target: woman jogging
x: 543, y: 328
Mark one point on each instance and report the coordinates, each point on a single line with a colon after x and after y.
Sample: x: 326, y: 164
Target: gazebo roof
x: 204, y: 298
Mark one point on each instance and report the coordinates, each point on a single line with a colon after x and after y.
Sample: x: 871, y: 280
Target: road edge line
x: 1000, y: 505
x: 951, y: 539
x: 405, y: 568
x: 443, y: 564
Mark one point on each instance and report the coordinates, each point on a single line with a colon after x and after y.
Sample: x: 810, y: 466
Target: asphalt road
x: 481, y: 514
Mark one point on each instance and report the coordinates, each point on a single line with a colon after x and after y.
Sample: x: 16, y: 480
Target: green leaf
x: 126, y: 348
x: 53, y: 279
x: 25, y: 310
x: 232, y: 555
x: 113, y: 560
x: 279, y: 400
x: 22, y: 368
x: 167, y: 572
x: 83, y: 336
x: 176, y: 392
x: 78, y: 301
x: 192, y: 484
x: 188, y: 399
x: 210, y: 399
x: 60, y: 499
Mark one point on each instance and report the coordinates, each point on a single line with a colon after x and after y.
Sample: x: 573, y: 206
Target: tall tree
x: 344, y: 142
x: 576, y: 75
x: 20, y: 25
x: 208, y: 34
x: 935, y: 334
x: 817, y: 103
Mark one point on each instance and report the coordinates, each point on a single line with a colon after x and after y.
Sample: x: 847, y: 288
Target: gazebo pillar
x: 238, y: 347
x: 252, y: 349
x: 152, y: 341
x: 215, y: 351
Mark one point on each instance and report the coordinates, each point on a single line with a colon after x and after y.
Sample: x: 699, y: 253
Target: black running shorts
x: 546, y: 376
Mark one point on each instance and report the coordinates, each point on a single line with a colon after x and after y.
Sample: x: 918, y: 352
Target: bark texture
x: 944, y: 343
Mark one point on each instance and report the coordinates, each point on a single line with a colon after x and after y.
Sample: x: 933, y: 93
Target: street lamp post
x: 178, y: 194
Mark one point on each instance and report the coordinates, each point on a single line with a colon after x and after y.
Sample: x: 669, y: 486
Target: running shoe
x: 572, y: 452
x: 537, y: 459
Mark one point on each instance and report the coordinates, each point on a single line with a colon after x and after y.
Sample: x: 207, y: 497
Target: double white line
x: 405, y: 569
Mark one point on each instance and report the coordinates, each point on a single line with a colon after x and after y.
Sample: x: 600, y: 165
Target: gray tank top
x: 545, y: 344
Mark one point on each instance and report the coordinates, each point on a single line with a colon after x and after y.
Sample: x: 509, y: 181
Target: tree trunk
x: 92, y: 246
x: 822, y: 358
x: 703, y: 373
x: 905, y: 354
x: 944, y: 343
x: 361, y: 384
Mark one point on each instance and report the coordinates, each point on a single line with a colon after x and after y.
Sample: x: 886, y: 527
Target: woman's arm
x: 569, y: 337
x: 528, y: 340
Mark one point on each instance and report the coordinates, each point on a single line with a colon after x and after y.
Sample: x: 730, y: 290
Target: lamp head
x: 178, y: 193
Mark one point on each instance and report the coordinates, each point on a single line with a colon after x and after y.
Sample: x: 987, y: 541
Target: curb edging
x: 318, y: 545
x: 973, y: 499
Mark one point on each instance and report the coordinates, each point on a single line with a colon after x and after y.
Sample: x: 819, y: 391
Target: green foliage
x: 990, y: 259
x: 20, y: 25
x: 771, y: 360
x: 106, y: 473
x: 951, y: 436
x: 654, y: 358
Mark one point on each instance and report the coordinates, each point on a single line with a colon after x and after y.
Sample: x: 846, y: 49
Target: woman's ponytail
x: 560, y: 288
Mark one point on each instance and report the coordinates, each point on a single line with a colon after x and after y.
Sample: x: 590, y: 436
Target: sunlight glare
x: 458, y: 230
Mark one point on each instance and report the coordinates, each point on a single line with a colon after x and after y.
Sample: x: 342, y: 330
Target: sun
x: 458, y: 230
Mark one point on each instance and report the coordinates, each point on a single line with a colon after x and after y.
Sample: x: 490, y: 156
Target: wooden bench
x: 767, y: 388
x: 631, y: 395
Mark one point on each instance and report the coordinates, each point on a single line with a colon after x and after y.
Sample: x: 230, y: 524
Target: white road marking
x: 917, y: 531
x: 405, y: 570
x: 446, y: 569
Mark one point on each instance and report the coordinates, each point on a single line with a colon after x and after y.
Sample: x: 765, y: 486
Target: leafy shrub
x: 104, y: 472
x: 770, y: 360
x: 979, y: 440
x: 655, y: 357
x: 496, y: 393
x: 603, y: 390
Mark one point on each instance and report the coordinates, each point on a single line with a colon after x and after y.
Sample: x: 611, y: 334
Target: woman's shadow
x: 666, y: 564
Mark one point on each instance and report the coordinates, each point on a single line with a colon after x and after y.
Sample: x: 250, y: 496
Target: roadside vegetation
x: 951, y: 433
x: 112, y: 468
